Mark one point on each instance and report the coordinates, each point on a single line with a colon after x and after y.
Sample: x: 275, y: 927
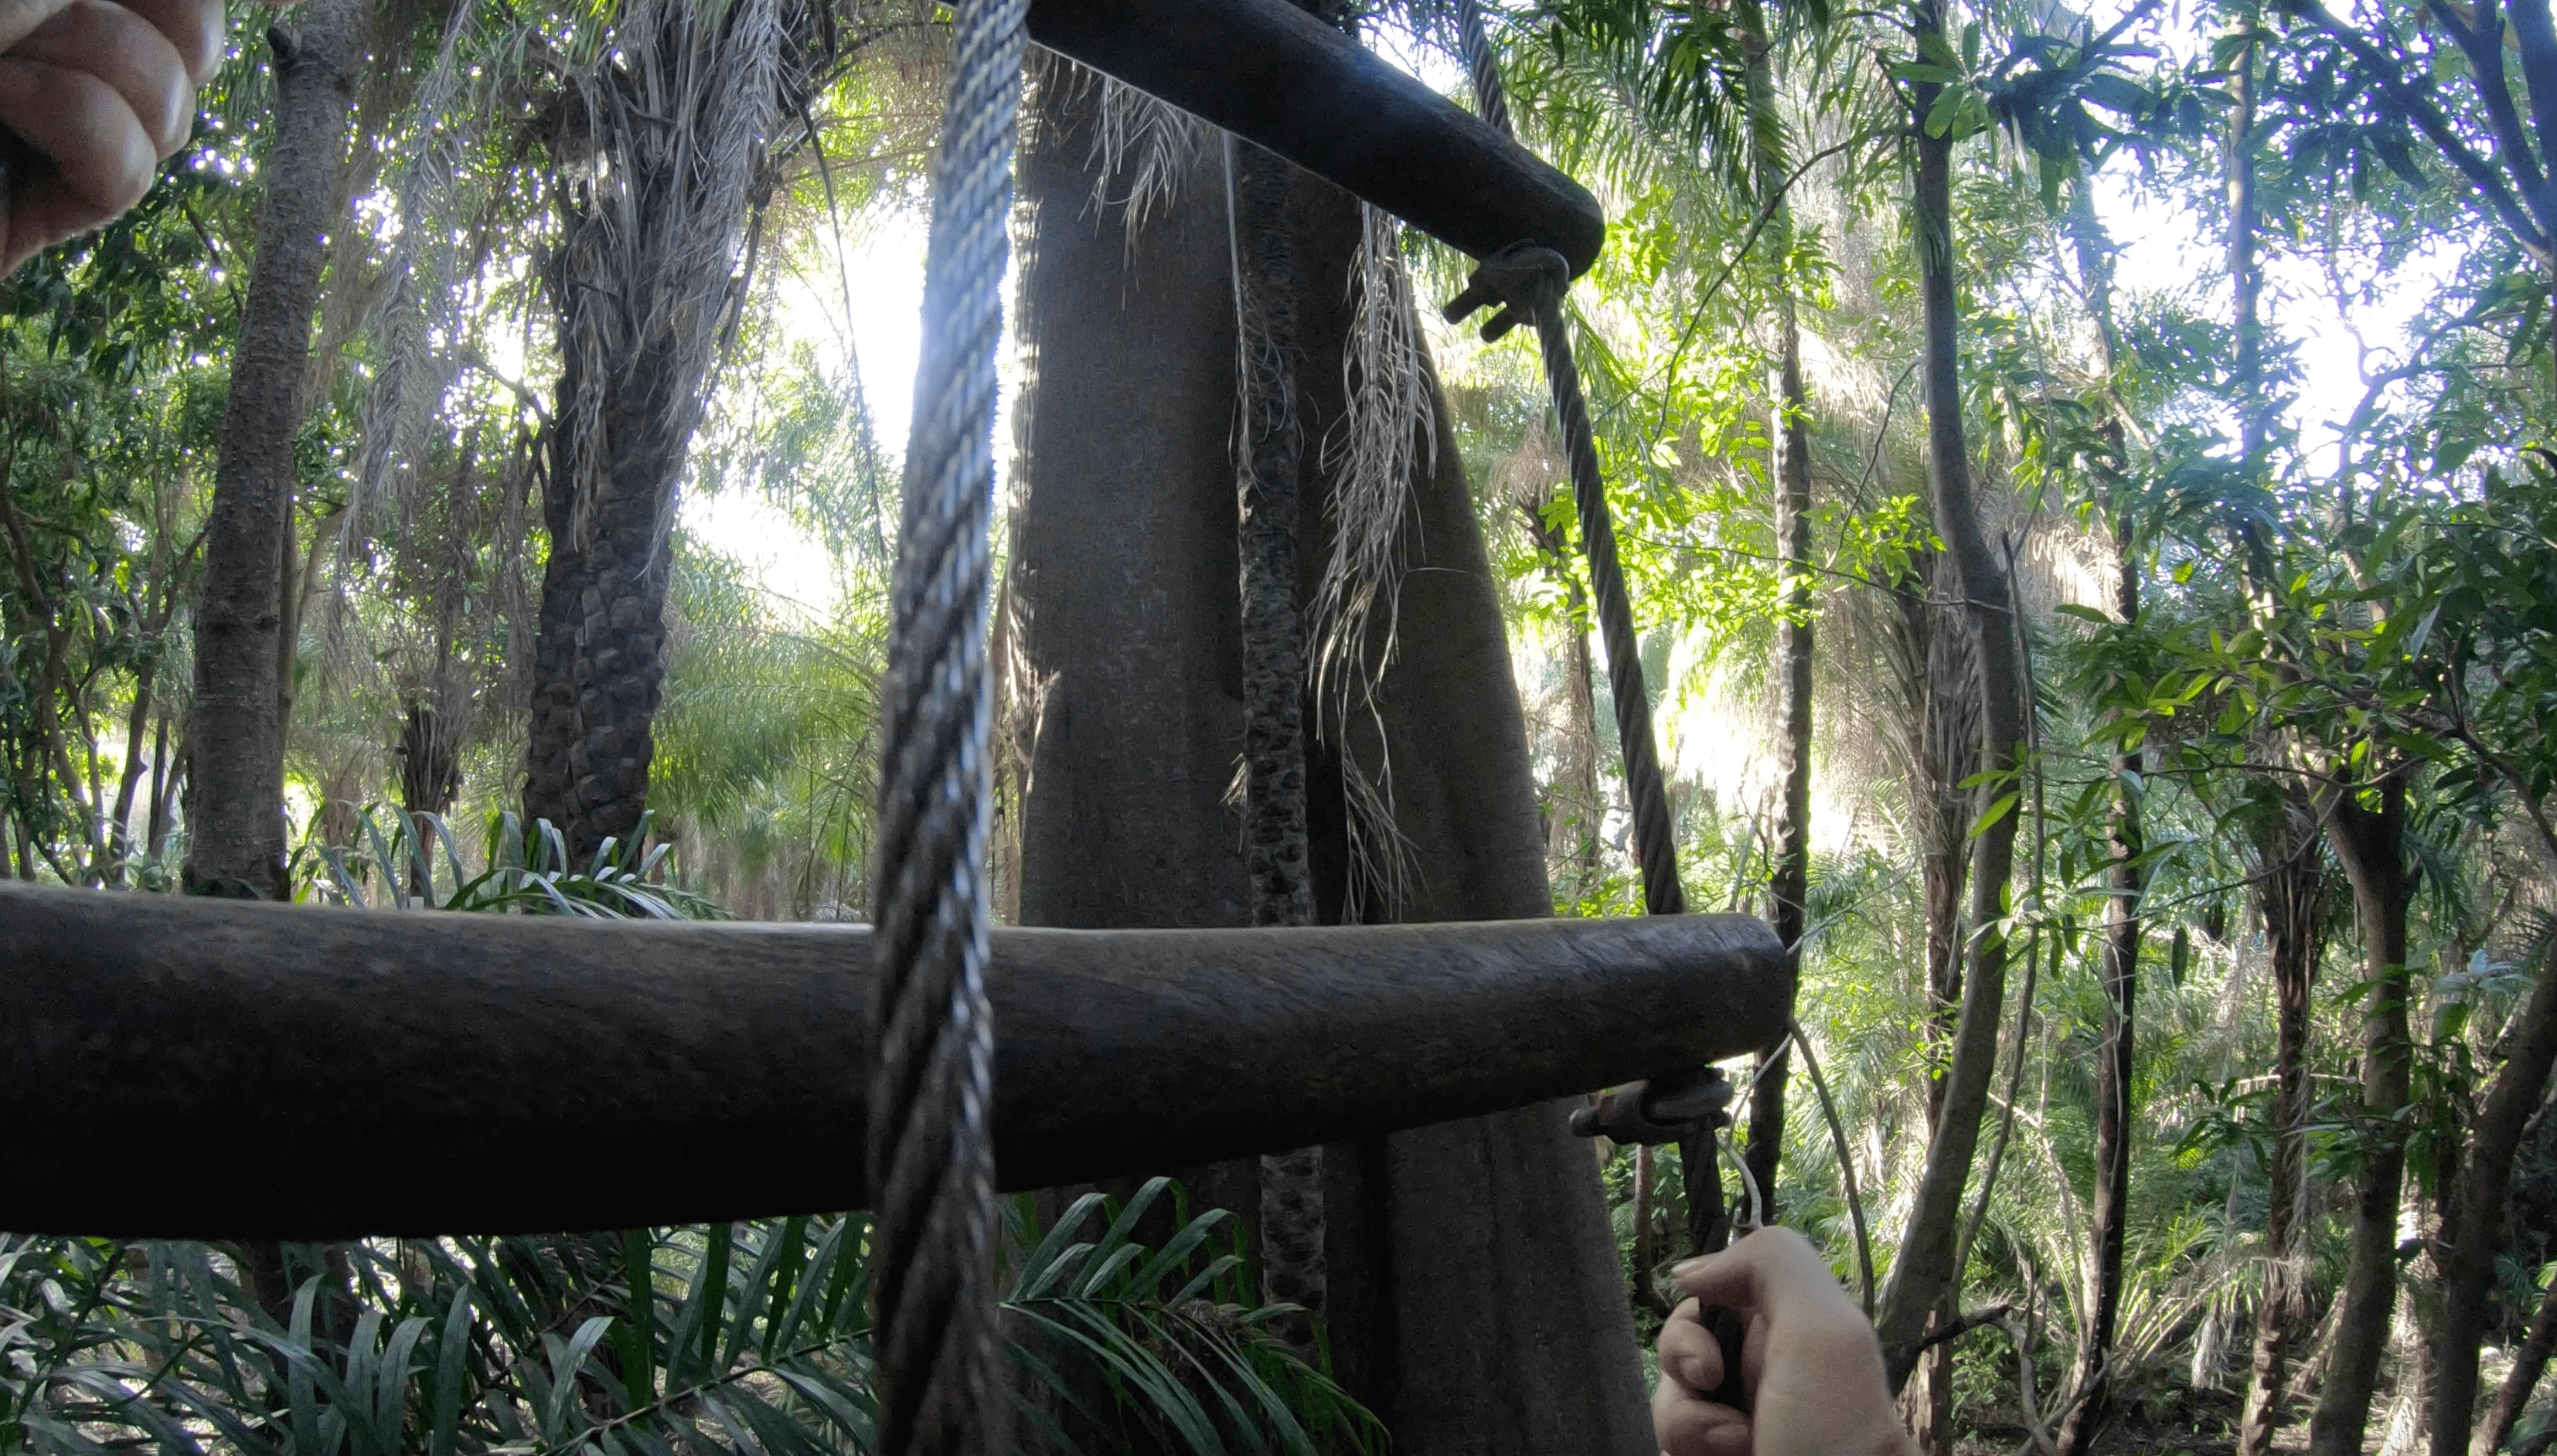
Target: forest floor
x: 2187, y: 1422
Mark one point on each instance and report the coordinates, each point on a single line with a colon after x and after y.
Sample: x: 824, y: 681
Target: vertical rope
x: 931, y: 1153
x: 1655, y: 832
x: 1535, y: 277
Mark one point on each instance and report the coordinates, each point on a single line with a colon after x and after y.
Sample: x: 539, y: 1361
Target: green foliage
x: 745, y: 1336
x: 417, y: 865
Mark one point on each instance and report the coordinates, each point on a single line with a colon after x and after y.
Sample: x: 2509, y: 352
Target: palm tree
x: 661, y: 151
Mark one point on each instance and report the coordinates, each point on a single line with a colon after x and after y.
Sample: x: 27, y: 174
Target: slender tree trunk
x: 2529, y: 1362
x: 1790, y: 873
x: 1273, y: 670
x: 1946, y: 745
x: 164, y: 783
x: 2474, y: 1225
x: 2108, y: 1214
x: 2109, y: 1211
x: 1923, y: 1277
x: 2371, y: 843
x: 119, y: 827
x: 235, y: 735
x: 2292, y: 876
x: 2246, y: 270
x: 1647, y: 1238
x: 1576, y: 809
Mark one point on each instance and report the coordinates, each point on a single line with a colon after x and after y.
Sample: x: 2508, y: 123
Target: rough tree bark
x: 1924, y: 1277
x: 2292, y: 878
x: 1474, y: 1299
x: 235, y: 733
x: 1274, y: 669
x: 654, y: 212
x: 2371, y: 846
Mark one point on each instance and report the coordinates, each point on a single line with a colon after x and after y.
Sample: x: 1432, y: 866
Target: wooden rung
x: 207, y: 1069
x: 1269, y: 71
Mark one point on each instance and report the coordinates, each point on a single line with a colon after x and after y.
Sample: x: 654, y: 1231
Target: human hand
x: 1809, y: 1361
x: 100, y: 92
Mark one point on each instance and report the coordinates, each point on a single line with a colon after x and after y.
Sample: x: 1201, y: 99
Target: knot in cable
x: 1524, y: 279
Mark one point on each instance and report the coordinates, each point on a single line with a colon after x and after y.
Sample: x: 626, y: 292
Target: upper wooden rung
x: 1269, y: 71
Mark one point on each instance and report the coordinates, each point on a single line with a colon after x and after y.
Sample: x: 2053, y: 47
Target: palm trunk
x: 2371, y: 846
x: 1274, y: 672
x: 1924, y: 1279
x: 1789, y: 878
x: 644, y: 287
x: 235, y: 733
x: 2293, y: 878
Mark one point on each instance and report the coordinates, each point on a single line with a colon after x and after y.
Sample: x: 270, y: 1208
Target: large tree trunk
x: 1790, y: 873
x: 2371, y: 843
x: 236, y: 734
x: 1475, y: 1292
x: 1924, y: 1279
x: 645, y: 285
x: 1124, y: 563
x: 1472, y: 1291
x: 2292, y: 883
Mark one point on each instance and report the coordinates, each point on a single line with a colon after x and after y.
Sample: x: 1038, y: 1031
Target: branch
x: 2483, y: 44
x: 2428, y: 118
x: 1847, y: 1161
x: 1766, y: 214
x: 1976, y: 1319
x: 2537, y: 41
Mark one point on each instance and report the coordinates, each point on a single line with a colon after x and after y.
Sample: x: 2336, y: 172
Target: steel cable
x: 1655, y: 832
x: 931, y: 1150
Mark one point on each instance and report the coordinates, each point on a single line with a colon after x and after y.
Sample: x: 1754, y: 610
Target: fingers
x: 193, y: 28
x: 19, y: 17
x: 100, y: 92
x: 1686, y: 1424
x: 1770, y: 1270
x: 1690, y: 1354
x: 1682, y: 1420
x: 98, y: 147
x: 130, y: 56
